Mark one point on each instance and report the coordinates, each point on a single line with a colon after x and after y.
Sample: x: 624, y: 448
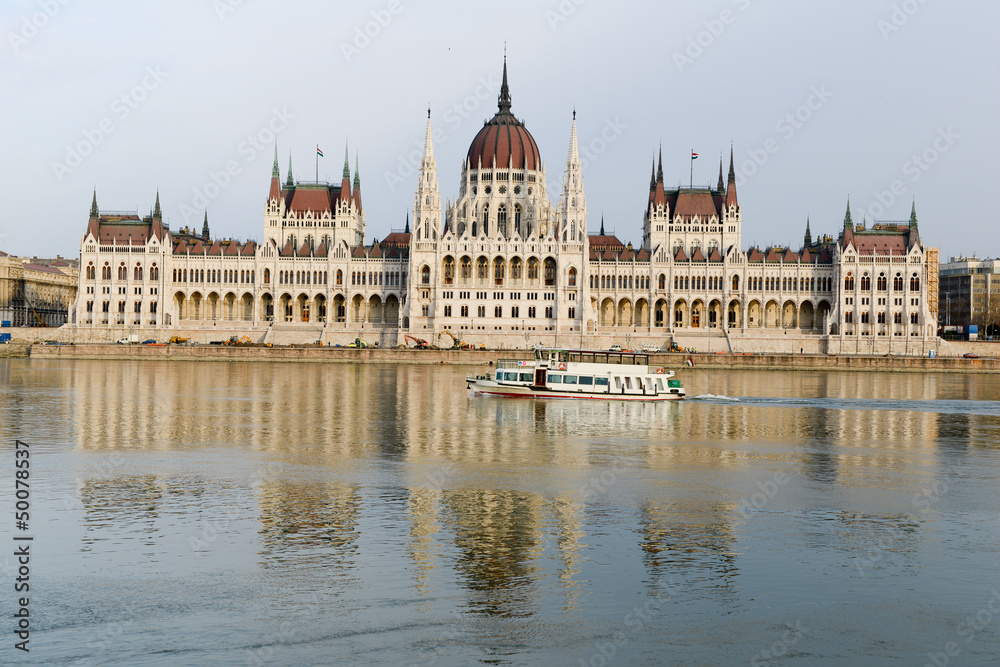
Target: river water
x: 308, y: 514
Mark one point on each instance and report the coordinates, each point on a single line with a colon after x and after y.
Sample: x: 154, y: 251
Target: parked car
x: 148, y: 341
x: 970, y: 355
x: 615, y: 348
x: 650, y: 348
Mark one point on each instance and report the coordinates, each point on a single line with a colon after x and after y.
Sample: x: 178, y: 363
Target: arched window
x: 550, y: 271
x: 532, y: 269
x: 449, y: 270
x: 154, y: 272
x: 914, y: 283
x: 502, y: 219
x: 897, y: 283
x: 137, y: 273
x: 425, y: 275
x: 466, y: 268
x: 882, y: 286
x: 267, y: 276
x: 498, y: 271
x: 662, y: 284
x: 866, y: 283
x: 849, y: 282
x: 572, y: 277
x: 122, y: 272
x: 517, y: 218
x: 91, y: 271
x: 486, y: 219
x: 105, y: 272
x: 482, y: 268
x: 516, y: 269
x: 340, y: 277
x: 736, y: 282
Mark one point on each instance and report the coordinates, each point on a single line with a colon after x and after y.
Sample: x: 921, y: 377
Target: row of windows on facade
x: 220, y: 276
x: 499, y: 270
x: 881, y: 283
x: 897, y: 318
x: 137, y: 272
x: 136, y: 307
x: 515, y: 311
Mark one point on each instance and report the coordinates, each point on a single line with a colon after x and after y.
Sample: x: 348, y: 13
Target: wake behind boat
x: 580, y: 374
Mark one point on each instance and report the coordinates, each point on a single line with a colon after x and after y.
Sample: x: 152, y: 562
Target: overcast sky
x: 883, y: 101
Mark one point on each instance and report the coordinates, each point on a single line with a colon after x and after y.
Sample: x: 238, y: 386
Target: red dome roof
x: 504, y: 140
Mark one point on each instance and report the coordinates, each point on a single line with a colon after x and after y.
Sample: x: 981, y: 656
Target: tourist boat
x: 555, y: 373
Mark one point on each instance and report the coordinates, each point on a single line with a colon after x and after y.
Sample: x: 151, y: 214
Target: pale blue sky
x: 199, y: 78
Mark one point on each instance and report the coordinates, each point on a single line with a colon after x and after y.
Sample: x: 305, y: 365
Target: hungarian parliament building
x: 504, y: 267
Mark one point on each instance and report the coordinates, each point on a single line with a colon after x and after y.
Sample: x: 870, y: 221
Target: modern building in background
x: 970, y: 294
x: 504, y: 266
x: 36, y: 292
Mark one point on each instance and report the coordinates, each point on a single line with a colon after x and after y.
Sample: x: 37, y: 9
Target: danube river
x: 308, y: 514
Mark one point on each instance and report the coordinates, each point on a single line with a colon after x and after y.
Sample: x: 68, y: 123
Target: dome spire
x: 504, y: 101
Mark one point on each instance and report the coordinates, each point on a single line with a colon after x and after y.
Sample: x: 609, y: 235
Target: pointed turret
x: 848, y: 223
x: 720, y: 186
x: 659, y: 197
x: 95, y: 212
x: 204, y: 229
x: 275, y: 192
x: 913, y: 216
x: 357, y: 183
x: 807, y: 241
x: 407, y: 230
x: 503, y: 101
x: 157, y: 213
x: 652, y: 176
x: 290, y: 182
x: 602, y: 224
x: 572, y: 207
x: 345, y: 183
x: 731, y: 199
x: 427, y: 202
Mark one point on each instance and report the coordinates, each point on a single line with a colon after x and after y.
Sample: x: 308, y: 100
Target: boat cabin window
x: 555, y: 379
x: 628, y: 359
x: 569, y: 379
x: 587, y: 357
x: 526, y: 377
x: 628, y: 383
x: 600, y: 358
x: 601, y: 382
x: 574, y: 357
x: 586, y: 379
x: 659, y: 384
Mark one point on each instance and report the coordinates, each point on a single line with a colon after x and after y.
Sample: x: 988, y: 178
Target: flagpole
x: 317, y: 163
x: 691, y: 185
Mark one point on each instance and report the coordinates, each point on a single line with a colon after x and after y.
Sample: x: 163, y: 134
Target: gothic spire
x: 602, y: 224
x: 808, y: 237
x: 290, y: 182
x: 157, y: 214
x: 357, y: 172
x: 913, y: 215
x: 659, y: 168
x: 347, y: 163
x: 274, y: 170
x: 732, y: 170
x: 407, y: 230
x: 848, y: 223
x: 503, y: 102
x: 720, y: 186
x: 94, y: 211
x: 204, y: 228
x: 652, y: 176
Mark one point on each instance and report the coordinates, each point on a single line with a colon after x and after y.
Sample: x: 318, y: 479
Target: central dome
x: 504, y: 140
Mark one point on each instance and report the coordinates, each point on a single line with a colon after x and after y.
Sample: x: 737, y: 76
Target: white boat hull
x: 494, y: 388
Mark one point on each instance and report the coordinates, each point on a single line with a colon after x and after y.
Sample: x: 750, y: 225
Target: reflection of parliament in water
x: 494, y: 538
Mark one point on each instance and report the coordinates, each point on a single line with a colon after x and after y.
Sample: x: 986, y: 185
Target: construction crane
x: 418, y: 343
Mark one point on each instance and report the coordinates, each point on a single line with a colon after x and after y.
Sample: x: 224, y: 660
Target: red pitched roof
x: 397, y: 239
x: 288, y: 250
x: 304, y: 251
x: 28, y: 266
x: 680, y: 256
x: 789, y: 256
x: 715, y: 255
x: 698, y: 255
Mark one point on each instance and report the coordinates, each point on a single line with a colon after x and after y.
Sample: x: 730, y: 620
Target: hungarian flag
x: 319, y: 152
x: 694, y: 156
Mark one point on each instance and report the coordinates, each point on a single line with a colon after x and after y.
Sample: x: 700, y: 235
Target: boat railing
x: 512, y: 363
